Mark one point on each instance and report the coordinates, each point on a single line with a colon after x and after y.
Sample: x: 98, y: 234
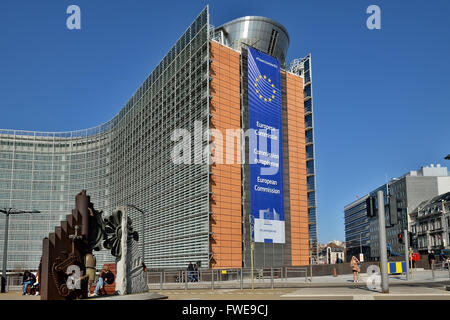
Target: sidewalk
x: 17, y: 295
x: 417, y: 277
x: 405, y: 292
x: 419, y: 286
x: 424, y: 276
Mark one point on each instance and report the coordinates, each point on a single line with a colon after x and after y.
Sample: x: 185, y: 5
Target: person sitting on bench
x: 106, y: 277
x: 28, y: 280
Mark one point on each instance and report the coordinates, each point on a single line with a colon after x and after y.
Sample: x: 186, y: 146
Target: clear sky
x: 381, y: 97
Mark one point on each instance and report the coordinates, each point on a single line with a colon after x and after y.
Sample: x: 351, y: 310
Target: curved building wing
x: 124, y: 161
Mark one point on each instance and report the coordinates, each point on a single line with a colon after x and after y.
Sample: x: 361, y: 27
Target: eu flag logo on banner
x: 265, y: 88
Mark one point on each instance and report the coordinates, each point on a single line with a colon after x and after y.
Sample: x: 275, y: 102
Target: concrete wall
x: 443, y: 185
x: 420, y: 189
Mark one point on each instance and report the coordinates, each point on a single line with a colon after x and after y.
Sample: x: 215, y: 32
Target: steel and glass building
x: 196, y: 211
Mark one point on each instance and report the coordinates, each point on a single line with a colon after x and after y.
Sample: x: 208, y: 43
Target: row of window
x: 434, y: 224
x: 434, y: 240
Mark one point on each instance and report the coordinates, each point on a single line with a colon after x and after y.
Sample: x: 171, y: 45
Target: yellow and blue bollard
x: 396, y: 267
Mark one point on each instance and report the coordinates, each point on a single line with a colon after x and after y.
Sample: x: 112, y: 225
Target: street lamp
x: 252, y: 248
x: 360, y: 243
x: 142, y: 229
x: 8, y: 212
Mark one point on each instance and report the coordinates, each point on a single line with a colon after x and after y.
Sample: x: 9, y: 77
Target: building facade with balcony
x: 430, y: 225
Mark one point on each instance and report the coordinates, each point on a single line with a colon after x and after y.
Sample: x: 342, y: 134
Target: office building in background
x: 402, y: 196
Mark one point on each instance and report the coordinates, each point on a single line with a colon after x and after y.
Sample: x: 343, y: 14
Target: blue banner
x: 266, y: 151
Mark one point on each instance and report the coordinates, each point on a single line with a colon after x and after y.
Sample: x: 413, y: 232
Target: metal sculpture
x: 64, y: 273
x: 66, y: 248
x: 113, y: 231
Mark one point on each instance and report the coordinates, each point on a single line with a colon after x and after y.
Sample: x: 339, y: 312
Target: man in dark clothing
x: 431, y: 258
x: 195, y: 277
x: 28, y: 280
x: 190, y: 270
x: 108, y: 276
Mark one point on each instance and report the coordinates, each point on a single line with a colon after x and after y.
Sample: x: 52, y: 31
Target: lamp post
x: 252, y: 249
x: 360, y: 243
x: 8, y: 212
x: 310, y: 260
x: 142, y: 229
x: 382, y: 243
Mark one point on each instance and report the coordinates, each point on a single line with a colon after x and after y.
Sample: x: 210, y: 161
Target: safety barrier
x: 226, y: 278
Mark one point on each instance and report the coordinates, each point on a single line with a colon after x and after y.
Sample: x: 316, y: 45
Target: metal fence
x: 226, y: 279
x: 440, y: 270
x: 14, y: 282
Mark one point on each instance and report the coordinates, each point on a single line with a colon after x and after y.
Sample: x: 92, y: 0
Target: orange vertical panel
x: 297, y: 169
x: 225, y: 90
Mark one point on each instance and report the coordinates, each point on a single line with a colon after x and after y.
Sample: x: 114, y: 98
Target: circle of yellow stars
x: 258, y: 85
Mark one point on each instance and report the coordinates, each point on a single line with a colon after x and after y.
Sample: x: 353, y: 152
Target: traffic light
x: 400, y: 238
x: 370, y: 206
x: 393, y: 214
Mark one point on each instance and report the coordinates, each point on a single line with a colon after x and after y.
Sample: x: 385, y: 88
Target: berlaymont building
x: 206, y: 197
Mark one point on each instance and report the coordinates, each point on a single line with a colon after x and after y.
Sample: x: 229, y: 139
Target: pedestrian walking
x: 431, y: 258
x: 195, y: 277
x: 190, y: 271
x: 415, y: 258
x: 355, y: 265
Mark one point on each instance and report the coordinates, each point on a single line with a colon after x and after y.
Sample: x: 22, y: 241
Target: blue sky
x: 381, y: 97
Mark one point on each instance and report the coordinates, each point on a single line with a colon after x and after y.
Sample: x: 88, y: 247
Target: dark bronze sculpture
x: 64, y: 251
x: 68, y: 266
x: 113, y: 231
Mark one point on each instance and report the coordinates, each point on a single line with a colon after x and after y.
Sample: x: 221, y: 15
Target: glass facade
x: 124, y: 161
x: 303, y: 67
x: 310, y: 156
x: 361, y: 232
x: 357, y: 235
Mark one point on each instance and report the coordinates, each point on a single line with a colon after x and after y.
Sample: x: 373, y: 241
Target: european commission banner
x: 265, y: 154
